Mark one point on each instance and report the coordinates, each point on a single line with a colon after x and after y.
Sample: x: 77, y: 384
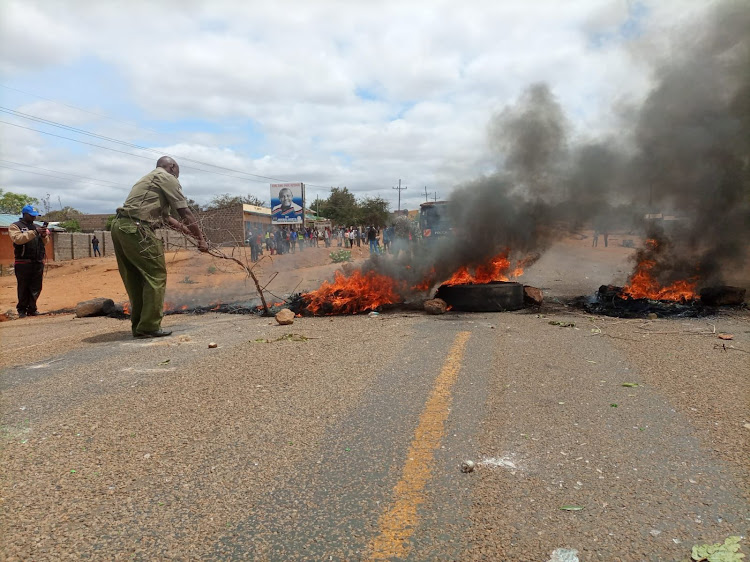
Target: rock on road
x: 347, y: 443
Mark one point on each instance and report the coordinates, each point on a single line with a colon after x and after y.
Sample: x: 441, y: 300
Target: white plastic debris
x: 468, y: 466
x: 495, y: 462
x: 564, y: 555
x: 373, y: 314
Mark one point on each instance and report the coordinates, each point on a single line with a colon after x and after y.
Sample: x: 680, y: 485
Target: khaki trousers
x: 140, y: 259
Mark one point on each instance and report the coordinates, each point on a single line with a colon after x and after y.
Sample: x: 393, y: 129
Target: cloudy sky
x: 330, y: 93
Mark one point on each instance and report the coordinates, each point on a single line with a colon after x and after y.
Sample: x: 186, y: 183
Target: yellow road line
x: 399, y: 522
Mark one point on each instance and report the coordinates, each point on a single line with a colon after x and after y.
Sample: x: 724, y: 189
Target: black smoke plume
x: 685, y: 155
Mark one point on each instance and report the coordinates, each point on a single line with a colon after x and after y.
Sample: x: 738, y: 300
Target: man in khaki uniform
x: 140, y: 254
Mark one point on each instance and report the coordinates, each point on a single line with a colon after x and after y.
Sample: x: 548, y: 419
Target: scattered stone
x: 467, y: 466
x: 655, y: 532
x: 726, y: 336
x: 147, y: 456
x: 95, y: 307
x: 213, y: 345
x: 652, y: 316
x: 532, y: 295
x: 285, y: 317
x: 435, y: 306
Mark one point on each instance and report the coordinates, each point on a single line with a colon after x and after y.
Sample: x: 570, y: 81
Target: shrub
x: 339, y: 256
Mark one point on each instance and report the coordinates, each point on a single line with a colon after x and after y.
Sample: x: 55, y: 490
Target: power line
x: 132, y: 145
x: 132, y: 124
x: 45, y: 175
x: 130, y: 153
x: 60, y: 172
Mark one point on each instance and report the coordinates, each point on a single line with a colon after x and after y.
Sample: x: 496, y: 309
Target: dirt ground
x: 194, y: 278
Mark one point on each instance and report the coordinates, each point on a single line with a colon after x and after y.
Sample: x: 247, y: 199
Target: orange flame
x: 495, y: 270
x: 357, y: 293
x: 642, y: 285
x: 426, y: 283
x: 126, y: 307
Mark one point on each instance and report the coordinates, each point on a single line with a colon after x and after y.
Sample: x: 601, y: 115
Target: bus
x: 435, y: 220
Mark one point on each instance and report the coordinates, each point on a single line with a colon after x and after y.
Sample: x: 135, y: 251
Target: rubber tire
x: 490, y: 297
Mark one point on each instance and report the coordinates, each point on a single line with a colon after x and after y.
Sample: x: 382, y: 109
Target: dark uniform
x: 29, y: 253
x: 140, y: 254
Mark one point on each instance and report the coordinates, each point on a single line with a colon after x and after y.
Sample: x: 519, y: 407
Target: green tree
x: 64, y: 214
x: 341, y: 207
x: 110, y: 218
x: 12, y: 203
x: 71, y: 225
x: 227, y: 199
x: 374, y: 210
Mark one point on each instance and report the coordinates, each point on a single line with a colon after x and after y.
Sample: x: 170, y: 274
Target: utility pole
x: 399, y: 194
x: 435, y: 195
x: 425, y: 194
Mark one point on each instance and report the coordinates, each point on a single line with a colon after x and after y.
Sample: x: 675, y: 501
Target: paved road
x: 346, y: 443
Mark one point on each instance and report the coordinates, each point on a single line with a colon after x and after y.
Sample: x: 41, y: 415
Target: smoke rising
x: 685, y: 153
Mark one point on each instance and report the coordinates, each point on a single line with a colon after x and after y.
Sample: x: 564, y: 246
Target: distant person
x: 293, y: 239
x: 606, y: 237
x: 287, y: 207
x: 140, y: 253
x: 253, y: 247
x: 387, y: 240
x: 95, y: 246
x: 595, y: 239
x: 29, y: 256
x: 372, y: 238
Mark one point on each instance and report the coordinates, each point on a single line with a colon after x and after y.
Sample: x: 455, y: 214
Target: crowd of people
x: 286, y: 240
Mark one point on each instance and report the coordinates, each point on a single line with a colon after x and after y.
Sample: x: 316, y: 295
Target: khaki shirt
x: 153, y: 197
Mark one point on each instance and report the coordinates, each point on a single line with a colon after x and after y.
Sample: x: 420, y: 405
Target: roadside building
x: 230, y: 225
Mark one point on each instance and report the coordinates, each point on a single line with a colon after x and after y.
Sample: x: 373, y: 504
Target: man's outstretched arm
x: 189, y: 226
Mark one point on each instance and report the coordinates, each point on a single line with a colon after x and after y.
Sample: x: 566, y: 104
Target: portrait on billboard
x: 287, y: 202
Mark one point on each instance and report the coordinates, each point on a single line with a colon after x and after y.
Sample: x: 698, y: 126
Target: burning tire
x: 496, y: 296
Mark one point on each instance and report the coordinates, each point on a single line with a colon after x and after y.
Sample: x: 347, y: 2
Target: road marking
x: 399, y: 522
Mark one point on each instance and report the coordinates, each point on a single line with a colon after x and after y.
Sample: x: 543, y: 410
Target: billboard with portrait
x: 287, y: 203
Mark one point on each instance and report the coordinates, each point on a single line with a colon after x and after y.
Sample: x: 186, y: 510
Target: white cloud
x: 292, y: 71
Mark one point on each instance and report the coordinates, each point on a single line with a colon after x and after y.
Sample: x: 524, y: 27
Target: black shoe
x: 21, y: 314
x: 156, y: 334
x: 34, y: 313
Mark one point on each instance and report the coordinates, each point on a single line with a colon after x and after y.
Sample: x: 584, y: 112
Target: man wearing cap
x: 155, y: 200
x: 29, y: 252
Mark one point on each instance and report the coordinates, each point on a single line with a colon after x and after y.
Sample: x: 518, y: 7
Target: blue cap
x: 30, y: 210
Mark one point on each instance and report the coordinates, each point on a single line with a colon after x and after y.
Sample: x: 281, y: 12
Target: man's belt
x: 137, y: 221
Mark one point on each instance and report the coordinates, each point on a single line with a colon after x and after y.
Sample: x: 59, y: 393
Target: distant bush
x: 341, y: 256
x: 71, y: 225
